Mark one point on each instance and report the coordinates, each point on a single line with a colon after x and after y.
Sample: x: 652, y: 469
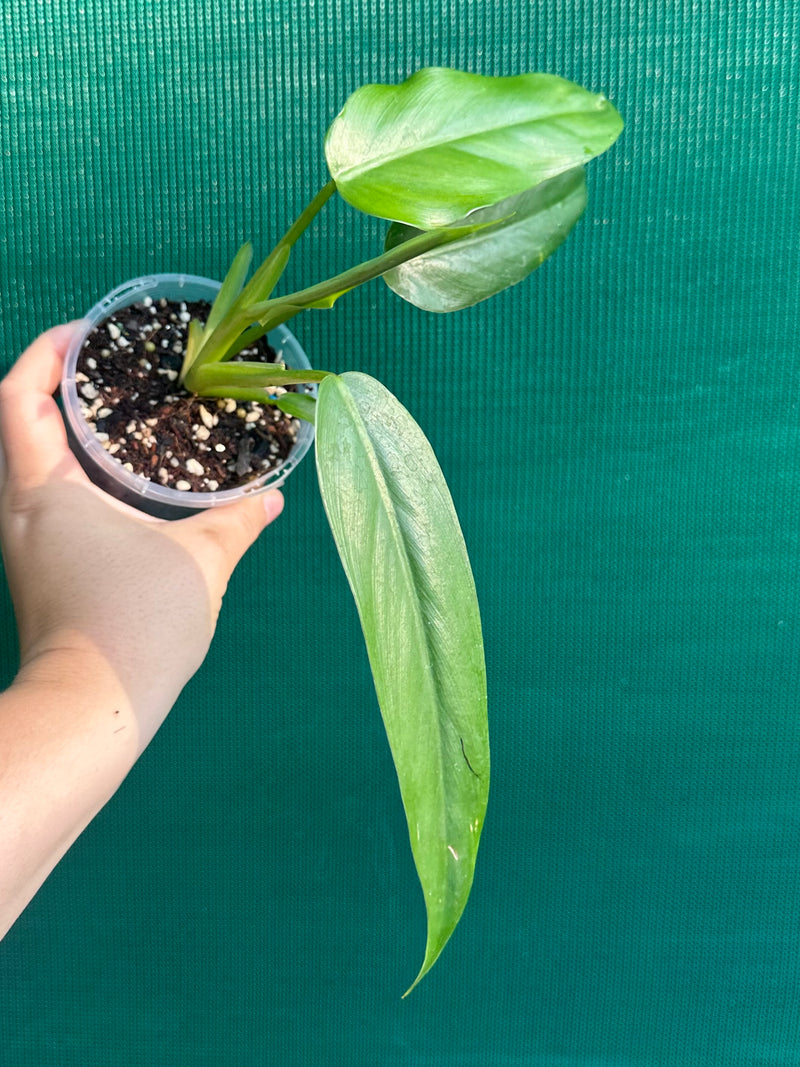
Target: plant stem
x: 306, y: 217
x: 339, y: 284
x: 271, y: 312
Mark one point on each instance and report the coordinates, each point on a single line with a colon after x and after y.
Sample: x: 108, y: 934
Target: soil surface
x: 127, y: 379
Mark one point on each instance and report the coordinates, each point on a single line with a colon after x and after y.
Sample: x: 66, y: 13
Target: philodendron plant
x: 481, y: 179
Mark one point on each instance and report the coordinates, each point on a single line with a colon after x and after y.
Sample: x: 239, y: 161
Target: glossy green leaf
x: 533, y: 225
x: 444, y: 142
x: 401, y: 545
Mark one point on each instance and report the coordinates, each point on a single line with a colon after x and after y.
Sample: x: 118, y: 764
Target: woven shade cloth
x: 621, y: 434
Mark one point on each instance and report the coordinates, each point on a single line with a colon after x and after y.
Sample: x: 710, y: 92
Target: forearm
x: 68, y: 737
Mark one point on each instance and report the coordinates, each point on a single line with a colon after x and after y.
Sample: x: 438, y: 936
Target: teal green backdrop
x: 624, y: 452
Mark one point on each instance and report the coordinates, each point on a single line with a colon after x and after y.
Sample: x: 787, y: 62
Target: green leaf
x: 403, y: 552
x: 445, y: 142
x: 533, y: 224
x: 298, y: 405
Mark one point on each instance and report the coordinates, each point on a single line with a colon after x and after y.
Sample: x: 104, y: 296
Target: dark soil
x: 127, y: 384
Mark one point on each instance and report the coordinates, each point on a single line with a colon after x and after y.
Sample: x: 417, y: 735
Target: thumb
x: 219, y: 537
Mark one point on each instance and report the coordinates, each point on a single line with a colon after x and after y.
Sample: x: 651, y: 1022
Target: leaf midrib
x: 381, y: 161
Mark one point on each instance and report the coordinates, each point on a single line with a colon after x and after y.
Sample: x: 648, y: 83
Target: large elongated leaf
x: 444, y: 142
x: 533, y: 225
x: 401, y: 545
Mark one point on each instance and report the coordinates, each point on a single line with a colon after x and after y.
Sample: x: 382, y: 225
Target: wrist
x: 73, y: 668
x: 70, y: 662
x: 72, y: 677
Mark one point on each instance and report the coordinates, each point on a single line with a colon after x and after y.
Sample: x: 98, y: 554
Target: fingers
x: 219, y: 537
x: 32, y: 433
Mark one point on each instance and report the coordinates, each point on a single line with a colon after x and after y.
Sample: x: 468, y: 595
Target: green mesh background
x: 622, y: 437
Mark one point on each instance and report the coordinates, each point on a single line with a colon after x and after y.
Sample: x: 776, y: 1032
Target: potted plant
x: 481, y: 178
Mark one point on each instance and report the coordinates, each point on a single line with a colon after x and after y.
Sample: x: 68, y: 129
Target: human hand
x: 101, y: 591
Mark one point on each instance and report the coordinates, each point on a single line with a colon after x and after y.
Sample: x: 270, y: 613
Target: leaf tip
x: 423, y: 971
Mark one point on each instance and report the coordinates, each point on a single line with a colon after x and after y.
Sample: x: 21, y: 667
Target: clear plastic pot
x: 103, y: 469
